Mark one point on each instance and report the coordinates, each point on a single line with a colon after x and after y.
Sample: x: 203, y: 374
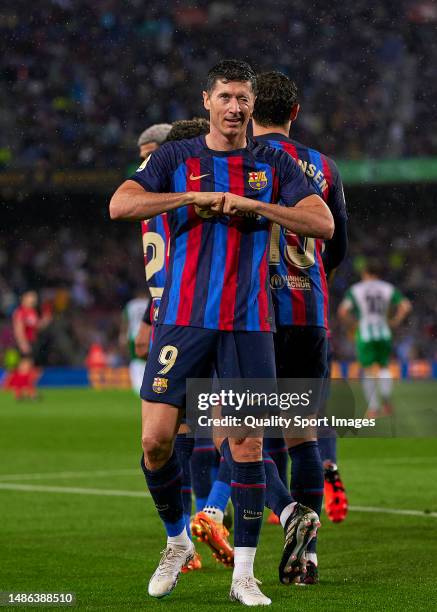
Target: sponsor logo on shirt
x: 278, y: 281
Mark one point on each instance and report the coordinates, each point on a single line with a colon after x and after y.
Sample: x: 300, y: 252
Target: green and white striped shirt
x: 370, y: 301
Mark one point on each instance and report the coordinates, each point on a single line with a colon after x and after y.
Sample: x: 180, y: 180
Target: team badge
x: 160, y: 385
x: 258, y: 180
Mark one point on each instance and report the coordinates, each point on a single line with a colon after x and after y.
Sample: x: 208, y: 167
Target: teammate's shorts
x: 374, y: 352
x: 301, y: 352
x: 181, y: 352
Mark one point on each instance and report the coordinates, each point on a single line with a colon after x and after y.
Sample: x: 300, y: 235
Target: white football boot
x: 246, y: 591
x: 167, y: 573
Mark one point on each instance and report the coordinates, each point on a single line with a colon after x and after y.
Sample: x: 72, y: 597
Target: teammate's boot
x: 273, y: 519
x: 336, y: 504
x: 372, y: 413
x: 170, y: 565
x: 312, y: 574
x: 205, y: 529
x: 194, y: 564
x: 246, y: 591
x: 300, y: 528
x: 387, y: 408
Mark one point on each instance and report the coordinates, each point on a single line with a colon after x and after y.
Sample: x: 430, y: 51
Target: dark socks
x: 277, y: 494
x: 203, y: 463
x: 248, y: 490
x: 184, y: 449
x: 165, y: 487
x: 278, y: 451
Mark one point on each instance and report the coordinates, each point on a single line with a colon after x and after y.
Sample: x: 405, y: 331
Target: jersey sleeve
x: 147, y: 316
x: 396, y: 297
x: 336, y: 199
x: 293, y: 183
x: 154, y: 174
x: 336, y: 248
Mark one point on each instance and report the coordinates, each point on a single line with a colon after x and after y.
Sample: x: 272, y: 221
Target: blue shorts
x: 301, y: 352
x: 181, y: 352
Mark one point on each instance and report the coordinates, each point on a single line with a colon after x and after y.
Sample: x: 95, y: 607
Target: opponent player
x: 370, y: 303
x: 298, y: 268
x: 218, y: 191
x: 26, y: 325
x: 132, y: 318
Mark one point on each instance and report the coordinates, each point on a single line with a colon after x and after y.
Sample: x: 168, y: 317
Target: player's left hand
x: 235, y: 205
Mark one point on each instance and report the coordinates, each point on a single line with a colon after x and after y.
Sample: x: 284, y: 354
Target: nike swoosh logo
x: 251, y: 518
x: 196, y: 178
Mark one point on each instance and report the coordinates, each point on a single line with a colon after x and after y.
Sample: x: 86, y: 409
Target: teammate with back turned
x: 221, y: 192
x: 369, y: 303
x: 298, y: 269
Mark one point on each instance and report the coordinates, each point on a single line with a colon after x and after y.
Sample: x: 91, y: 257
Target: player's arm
x: 20, y: 334
x: 142, y: 340
x: 336, y: 248
x: 403, y: 309
x: 131, y: 202
x: 346, y: 311
x: 308, y: 217
x: 148, y: 191
x: 300, y: 209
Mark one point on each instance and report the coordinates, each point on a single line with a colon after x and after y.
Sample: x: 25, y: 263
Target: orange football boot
x: 194, y: 564
x: 336, y: 504
x: 205, y: 529
x: 273, y: 519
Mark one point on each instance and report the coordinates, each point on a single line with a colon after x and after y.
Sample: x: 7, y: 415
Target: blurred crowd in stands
x: 80, y: 80
x: 86, y: 277
x: 83, y: 276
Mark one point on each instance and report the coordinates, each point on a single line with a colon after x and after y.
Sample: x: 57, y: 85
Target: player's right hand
x: 208, y: 200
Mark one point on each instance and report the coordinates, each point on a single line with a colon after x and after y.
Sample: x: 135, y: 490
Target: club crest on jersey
x: 258, y: 180
x: 160, y: 384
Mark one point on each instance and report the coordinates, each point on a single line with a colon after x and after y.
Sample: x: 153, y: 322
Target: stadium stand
x: 80, y: 80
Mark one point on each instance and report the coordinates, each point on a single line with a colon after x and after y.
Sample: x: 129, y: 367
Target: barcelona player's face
x: 230, y: 105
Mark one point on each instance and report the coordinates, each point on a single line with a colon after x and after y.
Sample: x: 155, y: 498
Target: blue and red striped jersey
x: 297, y: 274
x: 156, y: 242
x: 218, y: 266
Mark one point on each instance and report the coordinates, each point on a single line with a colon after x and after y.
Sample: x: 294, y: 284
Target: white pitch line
x: 86, y: 473
x: 120, y: 493
x: 72, y: 490
x: 393, y: 460
x: 393, y: 511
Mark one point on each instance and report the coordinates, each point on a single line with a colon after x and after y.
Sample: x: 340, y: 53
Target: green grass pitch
x: 104, y: 548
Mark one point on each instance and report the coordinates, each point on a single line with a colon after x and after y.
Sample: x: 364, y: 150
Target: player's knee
x: 156, y: 452
x: 248, y: 450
